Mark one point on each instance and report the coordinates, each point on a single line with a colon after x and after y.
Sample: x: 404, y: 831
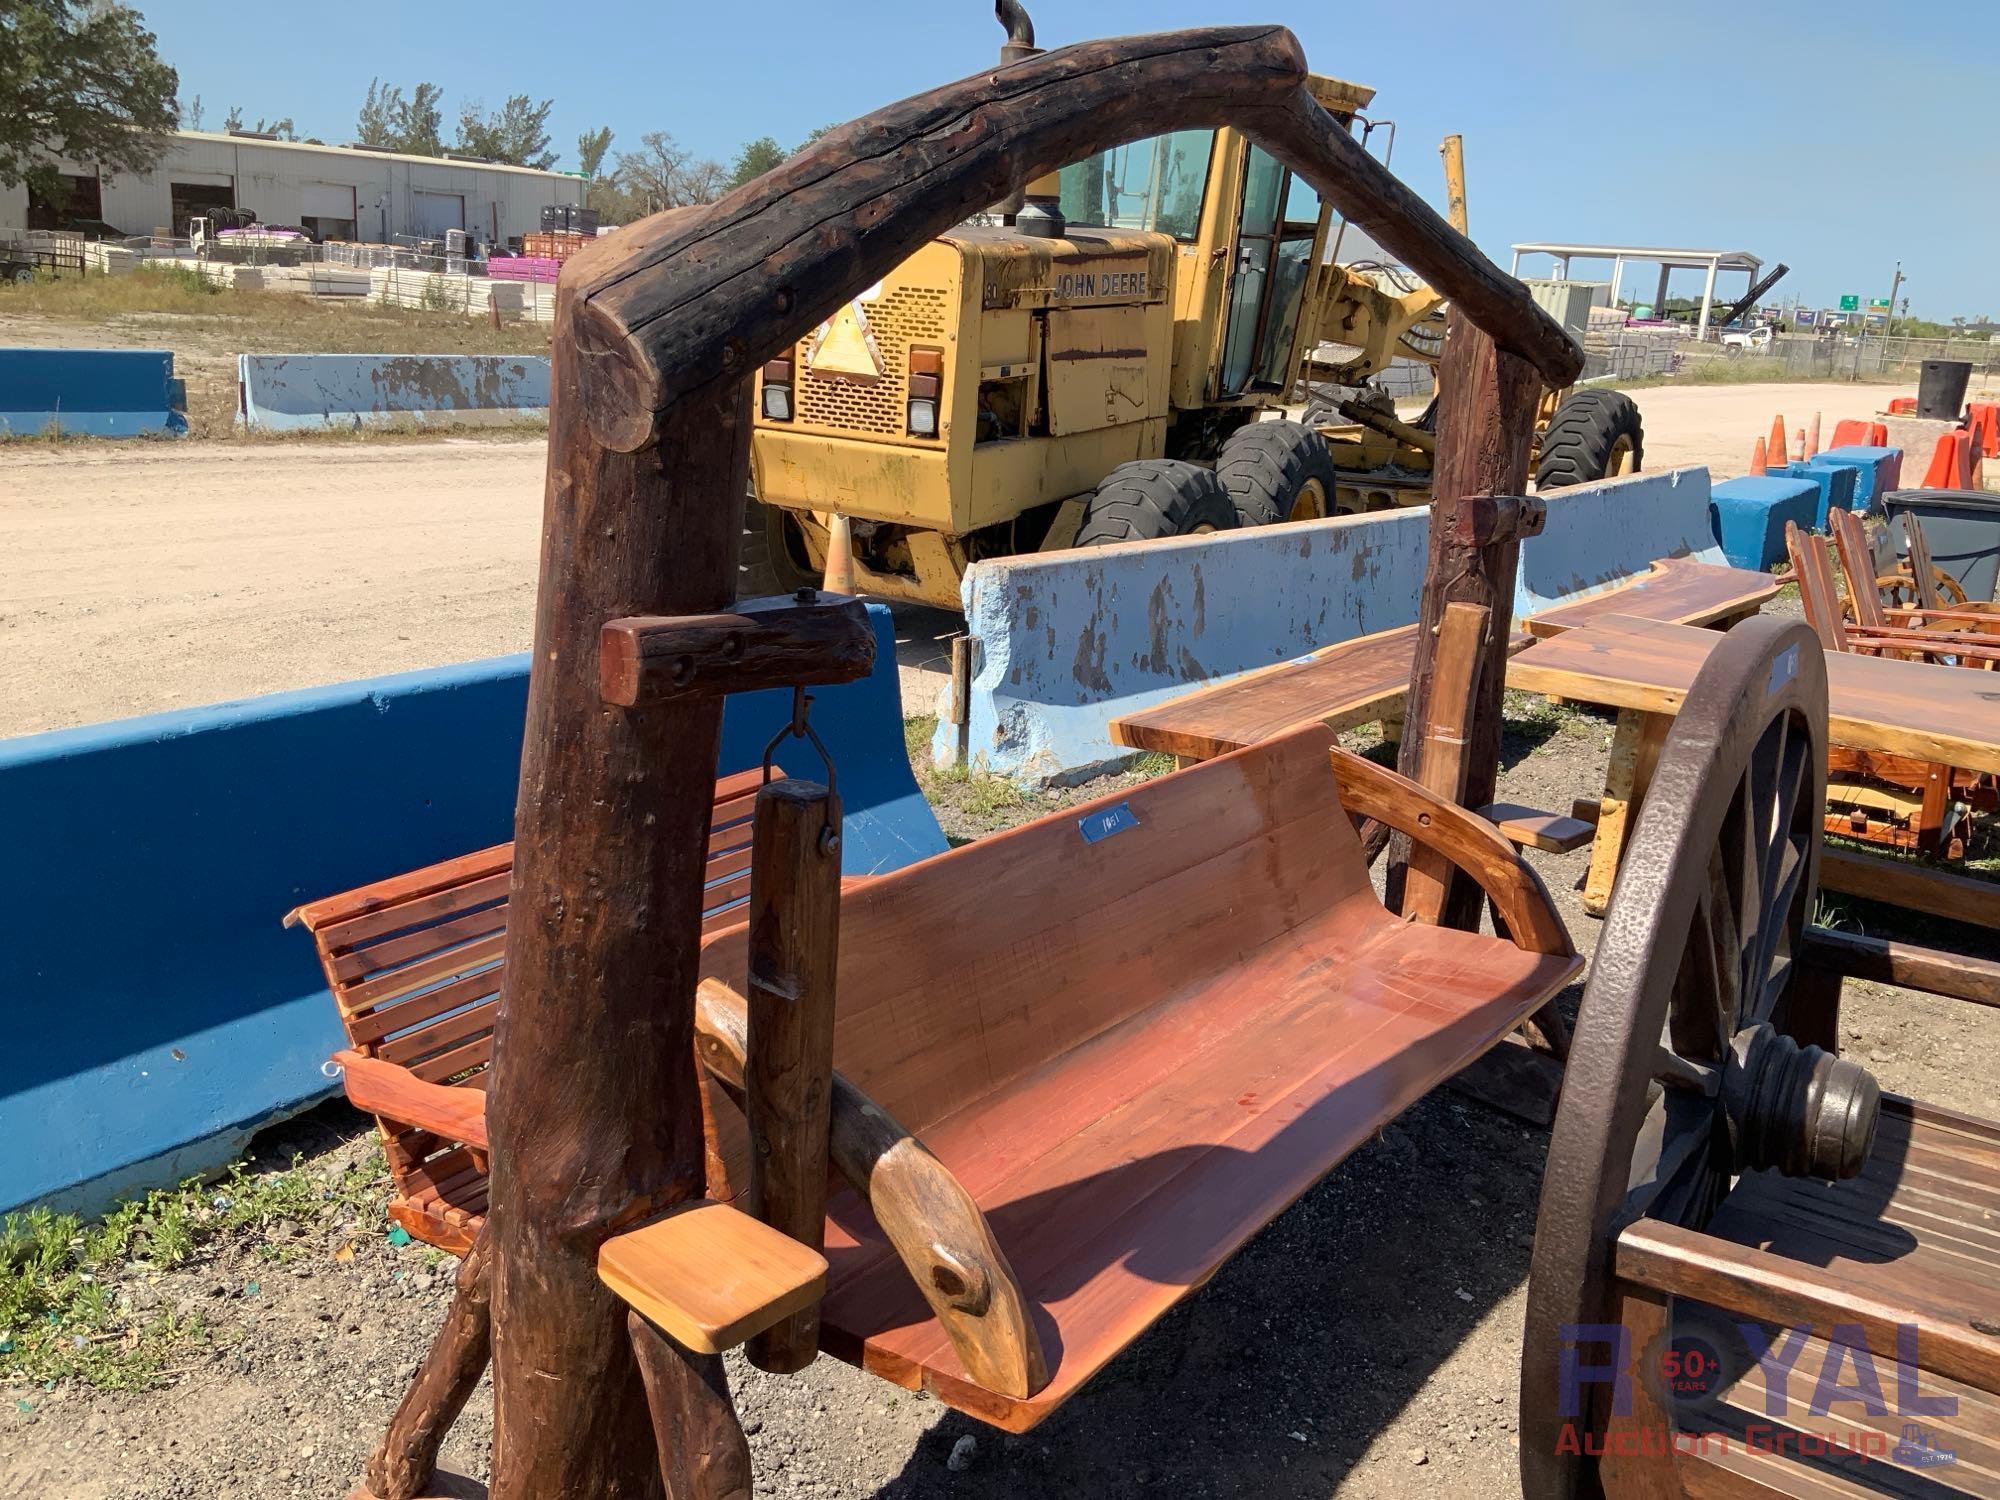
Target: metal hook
x: 800, y: 728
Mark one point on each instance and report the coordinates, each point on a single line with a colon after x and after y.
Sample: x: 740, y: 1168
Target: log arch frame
x: 594, y: 1117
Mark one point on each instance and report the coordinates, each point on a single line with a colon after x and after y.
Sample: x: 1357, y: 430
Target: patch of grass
x: 1748, y: 370
x: 71, y: 1304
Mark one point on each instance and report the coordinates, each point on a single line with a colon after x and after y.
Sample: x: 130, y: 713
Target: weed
x: 75, y: 1297
x: 437, y: 296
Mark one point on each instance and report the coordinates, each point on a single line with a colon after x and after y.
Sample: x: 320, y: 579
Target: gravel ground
x: 1366, y: 1344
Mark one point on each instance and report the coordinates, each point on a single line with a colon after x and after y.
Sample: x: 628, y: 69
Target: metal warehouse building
x: 334, y: 192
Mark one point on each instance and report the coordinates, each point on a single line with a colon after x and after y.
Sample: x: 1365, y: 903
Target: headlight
x: 923, y: 419
x: 778, y: 403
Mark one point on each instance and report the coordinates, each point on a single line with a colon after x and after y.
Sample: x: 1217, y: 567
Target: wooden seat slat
x: 450, y: 1031
x: 444, y: 1067
x: 399, y: 890
x: 388, y: 920
x: 358, y: 964
x: 457, y: 961
x: 369, y: 1028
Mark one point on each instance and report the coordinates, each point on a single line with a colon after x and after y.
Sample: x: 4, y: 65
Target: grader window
x: 1154, y: 184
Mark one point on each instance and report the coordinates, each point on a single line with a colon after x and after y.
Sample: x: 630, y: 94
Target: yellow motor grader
x: 1101, y: 364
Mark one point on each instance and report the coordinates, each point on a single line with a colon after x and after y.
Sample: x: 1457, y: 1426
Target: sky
x: 1839, y: 136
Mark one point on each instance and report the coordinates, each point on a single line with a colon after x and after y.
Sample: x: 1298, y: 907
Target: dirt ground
x: 1365, y: 1345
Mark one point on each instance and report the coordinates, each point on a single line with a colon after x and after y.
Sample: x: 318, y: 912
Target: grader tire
x: 1277, y: 471
x: 772, y: 558
x: 1154, y: 498
x: 1586, y: 438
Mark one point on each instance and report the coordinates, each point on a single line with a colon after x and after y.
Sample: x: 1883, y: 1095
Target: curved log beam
x: 937, y: 1229
x: 692, y: 297
x: 1464, y: 838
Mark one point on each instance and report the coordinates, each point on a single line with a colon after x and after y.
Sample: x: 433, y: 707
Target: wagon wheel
x: 1682, y: 1072
x: 1901, y: 591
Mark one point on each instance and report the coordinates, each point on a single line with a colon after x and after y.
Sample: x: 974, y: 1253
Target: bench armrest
x: 1466, y: 839
x: 382, y: 1088
x: 710, y: 1276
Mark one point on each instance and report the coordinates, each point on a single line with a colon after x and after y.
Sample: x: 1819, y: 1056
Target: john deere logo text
x: 1071, y: 285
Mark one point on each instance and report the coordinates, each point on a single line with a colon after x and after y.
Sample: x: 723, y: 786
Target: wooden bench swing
x: 1065, y: 1071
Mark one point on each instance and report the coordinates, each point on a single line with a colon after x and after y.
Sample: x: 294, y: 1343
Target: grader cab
x: 1091, y: 365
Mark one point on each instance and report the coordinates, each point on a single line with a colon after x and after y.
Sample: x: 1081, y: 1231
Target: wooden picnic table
x: 1364, y: 680
x: 1674, y: 588
x: 1644, y: 669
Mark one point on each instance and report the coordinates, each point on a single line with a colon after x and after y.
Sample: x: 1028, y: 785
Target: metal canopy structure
x: 1711, y: 262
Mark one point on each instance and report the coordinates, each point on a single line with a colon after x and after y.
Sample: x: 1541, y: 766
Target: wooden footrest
x: 710, y: 1276
x: 1531, y: 828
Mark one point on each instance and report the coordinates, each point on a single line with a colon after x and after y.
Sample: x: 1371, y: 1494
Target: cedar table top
x: 1339, y: 685
x: 1909, y: 708
x: 1357, y: 681
x: 1678, y: 589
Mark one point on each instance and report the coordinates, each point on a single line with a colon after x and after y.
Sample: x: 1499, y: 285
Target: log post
x: 703, y: 1453
x: 1486, y: 419
x: 402, y: 1467
x: 593, y: 1113
x: 794, y: 938
x: 1442, y: 767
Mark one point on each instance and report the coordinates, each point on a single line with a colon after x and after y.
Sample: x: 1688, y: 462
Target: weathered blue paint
x: 1835, y: 483
x: 1601, y: 535
x: 1877, y: 471
x: 159, y: 1011
x: 96, y: 392
x: 1749, y: 514
x: 290, y: 392
x: 1063, y: 644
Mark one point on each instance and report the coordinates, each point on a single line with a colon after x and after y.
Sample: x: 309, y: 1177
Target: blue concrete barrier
x: 1835, y: 483
x: 160, y: 1013
x: 1749, y: 515
x: 94, y: 392
x: 1877, y: 471
x: 291, y: 392
x: 1064, y: 643
x: 1602, y: 535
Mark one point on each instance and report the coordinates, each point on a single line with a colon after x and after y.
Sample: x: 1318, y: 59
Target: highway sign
x: 1850, y: 304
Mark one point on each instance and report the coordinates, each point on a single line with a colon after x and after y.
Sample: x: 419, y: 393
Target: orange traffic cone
x: 839, y: 577
x: 1757, y: 462
x: 1812, y: 439
x: 1778, y: 457
x: 1799, y: 442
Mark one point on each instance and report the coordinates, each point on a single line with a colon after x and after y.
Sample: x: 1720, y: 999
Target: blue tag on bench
x: 1101, y: 825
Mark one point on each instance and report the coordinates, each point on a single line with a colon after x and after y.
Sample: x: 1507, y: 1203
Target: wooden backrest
x: 1922, y: 576
x: 1818, y: 593
x: 968, y: 970
x: 1857, y: 560
x: 414, y: 962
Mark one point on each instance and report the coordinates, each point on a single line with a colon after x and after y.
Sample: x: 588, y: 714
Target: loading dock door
x: 433, y: 213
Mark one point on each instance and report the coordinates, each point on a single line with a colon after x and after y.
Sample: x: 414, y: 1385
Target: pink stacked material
x: 522, y: 268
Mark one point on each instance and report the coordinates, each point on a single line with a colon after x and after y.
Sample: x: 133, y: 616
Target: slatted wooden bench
x: 414, y: 963
x: 1133, y: 1033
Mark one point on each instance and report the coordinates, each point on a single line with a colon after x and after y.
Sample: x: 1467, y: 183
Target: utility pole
x: 1889, y: 318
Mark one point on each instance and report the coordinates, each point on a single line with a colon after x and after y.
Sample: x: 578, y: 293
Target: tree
x: 84, y: 82
x: 517, y: 133
x: 820, y: 131
x: 754, y: 160
x: 590, y: 149
x: 390, y: 122
x: 664, y: 174
x: 191, y: 115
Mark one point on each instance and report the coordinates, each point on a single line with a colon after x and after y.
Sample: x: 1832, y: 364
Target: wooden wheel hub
x: 1798, y: 1110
